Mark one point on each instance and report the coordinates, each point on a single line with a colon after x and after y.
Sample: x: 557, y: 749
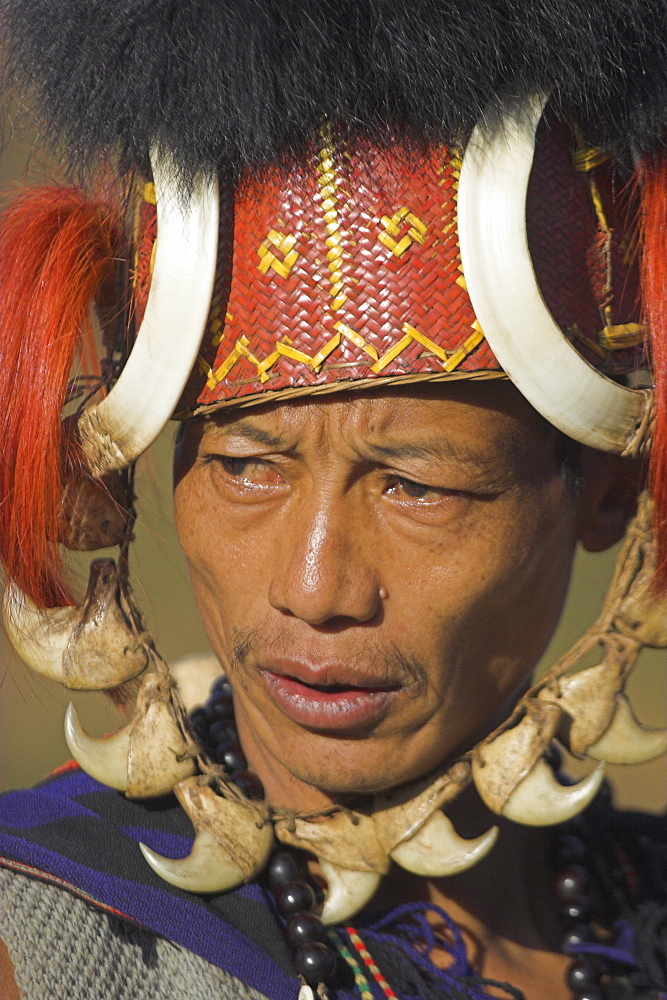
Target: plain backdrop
x: 32, y: 708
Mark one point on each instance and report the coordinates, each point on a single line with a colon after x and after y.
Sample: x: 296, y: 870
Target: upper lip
x: 327, y: 673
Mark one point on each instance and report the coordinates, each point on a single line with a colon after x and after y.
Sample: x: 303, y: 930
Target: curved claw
x: 348, y: 891
x: 229, y: 846
x: 103, y: 759
x: 157, y: 757
x: 437, y: 850
x: 626, y: 740
x: 145, y: 758
x: 540, y: 800
x: 94, y: 647
x: 207, y: 868
x: 39, y: 637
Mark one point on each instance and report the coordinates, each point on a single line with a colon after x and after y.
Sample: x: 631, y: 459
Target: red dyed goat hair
x: 654, y: 284
x: 57, y: 249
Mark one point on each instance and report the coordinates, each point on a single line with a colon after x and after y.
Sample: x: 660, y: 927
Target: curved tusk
x: 626, y: 740
x: 114, y: 432
x: 437, y: 850
x: 207, y: 868
x: 103, y: 759
x: 507, y: 301
x: 540, y: 800
x: 348, y: 891
x: 39, y: 637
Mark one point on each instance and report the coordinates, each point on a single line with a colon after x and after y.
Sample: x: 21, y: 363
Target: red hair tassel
x: 654, y: 291
x: 56, y: 251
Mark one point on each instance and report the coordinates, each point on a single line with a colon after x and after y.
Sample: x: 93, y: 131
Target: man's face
x: 377, y: 572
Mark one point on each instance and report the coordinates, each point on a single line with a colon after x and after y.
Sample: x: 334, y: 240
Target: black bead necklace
x: 585, y: 973
x: 304, y: 931
x: 295, y: 898
x: 572, y: 888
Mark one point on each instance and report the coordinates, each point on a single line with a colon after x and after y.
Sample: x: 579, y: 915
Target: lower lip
x: 328, y: 710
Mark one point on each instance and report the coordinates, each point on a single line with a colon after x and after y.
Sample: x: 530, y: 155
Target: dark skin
x: 431, y: 521
x: 418, y: 540
x: 295, y: 520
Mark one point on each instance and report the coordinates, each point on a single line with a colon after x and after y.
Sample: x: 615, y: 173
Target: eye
x: 409, y: 489
x: 247, y: 471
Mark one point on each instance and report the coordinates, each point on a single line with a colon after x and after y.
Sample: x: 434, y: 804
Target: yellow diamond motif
x: 268, y: 260
x: 395, y: 227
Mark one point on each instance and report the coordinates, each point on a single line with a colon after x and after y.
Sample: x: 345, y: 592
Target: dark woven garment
x: 77, y: 834
x: 82, y: 837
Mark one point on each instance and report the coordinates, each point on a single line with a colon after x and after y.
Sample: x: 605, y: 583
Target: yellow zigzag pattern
x: 284, y: 349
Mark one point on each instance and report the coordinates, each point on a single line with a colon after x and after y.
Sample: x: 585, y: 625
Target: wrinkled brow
x: 441, y: 448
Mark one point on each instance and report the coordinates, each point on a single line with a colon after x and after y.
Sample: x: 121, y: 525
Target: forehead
x: 472, y: 418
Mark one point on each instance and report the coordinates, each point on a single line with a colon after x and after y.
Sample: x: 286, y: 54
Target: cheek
x: 491, y: 595
x: 226, y: 566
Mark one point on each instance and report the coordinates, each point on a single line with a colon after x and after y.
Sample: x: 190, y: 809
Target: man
x: 379, y: 525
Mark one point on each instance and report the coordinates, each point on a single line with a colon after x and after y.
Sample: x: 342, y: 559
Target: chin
x: 347, y: 784
x: 351, y: 767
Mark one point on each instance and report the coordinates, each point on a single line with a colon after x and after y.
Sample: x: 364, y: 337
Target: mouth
x: 329, y: 697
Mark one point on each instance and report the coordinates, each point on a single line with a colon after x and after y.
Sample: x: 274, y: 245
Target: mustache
x: 389, y: 664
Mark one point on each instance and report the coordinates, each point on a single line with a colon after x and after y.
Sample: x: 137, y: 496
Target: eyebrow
x: 244, y: 428
x: 440, y: 448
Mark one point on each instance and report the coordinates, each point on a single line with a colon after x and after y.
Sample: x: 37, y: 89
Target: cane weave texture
x: 347, y: 267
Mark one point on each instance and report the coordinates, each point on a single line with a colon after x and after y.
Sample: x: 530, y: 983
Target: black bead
x: 231, y: 757
x: 283, y: 868
x: 605, y: 796
x: 574, y: 936
x: 576, y: 910
x: 583, y: 974
x: 571, y: 883
x: 315, y: 962
x: 220, y: 750
x: 304, y: 928
x: 220, y: 709
x: 571, y: 849
x: 575, y: 826
x: 294, y: 897
x: 221, y: 686
x: 249, y: 783
x: 590, y: 993
x: 223, y: 732
x: 199, y: 723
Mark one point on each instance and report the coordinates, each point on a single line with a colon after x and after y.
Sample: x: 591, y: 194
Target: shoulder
x: 62, y: 946
x: 629, y: 854
x: 639, y: 844
x: 79, y: 840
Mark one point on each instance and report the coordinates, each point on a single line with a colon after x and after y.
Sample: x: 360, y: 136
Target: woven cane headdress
x: 294, y: 198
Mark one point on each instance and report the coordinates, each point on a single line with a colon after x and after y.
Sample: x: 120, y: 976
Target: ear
x: 608, y: 498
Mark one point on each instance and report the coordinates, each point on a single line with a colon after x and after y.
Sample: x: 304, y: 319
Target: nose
x: 323, y: 569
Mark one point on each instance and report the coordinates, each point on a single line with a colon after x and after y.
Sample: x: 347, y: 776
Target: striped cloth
x: 83, y: 837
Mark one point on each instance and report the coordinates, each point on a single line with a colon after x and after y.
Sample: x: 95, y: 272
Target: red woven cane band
x: 347, y: 267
